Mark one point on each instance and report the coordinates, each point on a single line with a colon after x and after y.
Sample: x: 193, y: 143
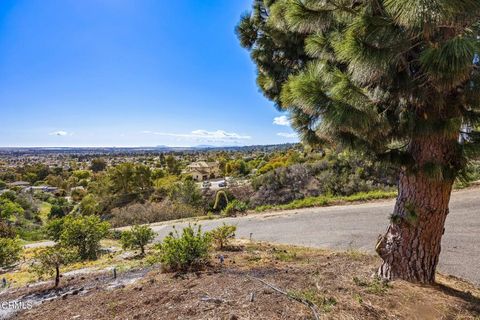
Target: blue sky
x: 129, y: 73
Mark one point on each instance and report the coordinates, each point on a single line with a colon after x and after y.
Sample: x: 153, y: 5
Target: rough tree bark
x: 411, y: 246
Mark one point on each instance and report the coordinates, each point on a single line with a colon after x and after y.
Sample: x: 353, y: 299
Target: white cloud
x: 59, y: 133
x: 204, y: 135
x: 281, y: 121
x: 287, y: 135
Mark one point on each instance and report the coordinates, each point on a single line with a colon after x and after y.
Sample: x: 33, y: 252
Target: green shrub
x: 10, y: 250
x: 89, y: 205
x: 137, y: 238
x: 234, y: 207
x: 337, y: 174
x: 54, y: 229
x: 8, y: 195
x: 9, y: 208
x: 60, y: 208
x: 188, y: 251
x: 84, y: 233
x: 6, y: 230
x: 222, y: 235
x: 31, y: 232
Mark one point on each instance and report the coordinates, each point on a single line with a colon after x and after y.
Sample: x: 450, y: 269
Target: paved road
x: 357, y: 226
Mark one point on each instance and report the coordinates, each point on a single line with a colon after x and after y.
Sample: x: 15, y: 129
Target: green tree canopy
x: 9, y: 208
x: 369, y: 74
x: 83, y: 233
x: 89, y: 205
x: 48, y: 261
x: 98, y: 164
x: 137, y: 238
x: 186, y: 192
x: 10, y: 250
x: 131, y: 181
x: 173, y: 165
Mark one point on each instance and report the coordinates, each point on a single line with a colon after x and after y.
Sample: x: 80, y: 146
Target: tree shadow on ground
x: 473, y: 302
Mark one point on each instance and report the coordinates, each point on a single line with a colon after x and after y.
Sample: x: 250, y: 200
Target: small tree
x: 186, y: 192
x: 137, y: 238
x: 173, y: 165
x: 222, y: 235
x: 10, y: 250
x: 98, y: 164
x: 84, y: 233
x: 48, y: 261
x: 186, y: 251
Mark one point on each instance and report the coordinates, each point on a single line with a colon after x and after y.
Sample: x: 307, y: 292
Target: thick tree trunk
x: 411, y: 246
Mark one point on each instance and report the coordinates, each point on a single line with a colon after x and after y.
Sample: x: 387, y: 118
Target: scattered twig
x: 306, y: 302
x: 211, y: 299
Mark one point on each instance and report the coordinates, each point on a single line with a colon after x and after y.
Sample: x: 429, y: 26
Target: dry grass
x: 23, y: 275
x: 339, y: 284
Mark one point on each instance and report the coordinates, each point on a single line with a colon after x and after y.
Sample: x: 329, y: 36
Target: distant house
x: 203, y: 170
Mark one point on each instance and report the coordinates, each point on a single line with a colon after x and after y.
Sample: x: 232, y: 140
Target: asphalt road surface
x: 358, y: 226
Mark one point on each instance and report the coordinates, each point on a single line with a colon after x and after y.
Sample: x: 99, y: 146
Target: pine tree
x: 397, y: 79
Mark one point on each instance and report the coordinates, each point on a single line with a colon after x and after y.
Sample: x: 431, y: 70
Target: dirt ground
x: 338, y: 285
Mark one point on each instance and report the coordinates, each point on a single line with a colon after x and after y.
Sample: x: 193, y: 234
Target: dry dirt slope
x: 338, y: 284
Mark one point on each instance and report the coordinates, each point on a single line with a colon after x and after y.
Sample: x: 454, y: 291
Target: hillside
x: 337, y: 285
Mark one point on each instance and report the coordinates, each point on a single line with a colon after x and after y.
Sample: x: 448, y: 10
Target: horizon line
x: 151, y: 147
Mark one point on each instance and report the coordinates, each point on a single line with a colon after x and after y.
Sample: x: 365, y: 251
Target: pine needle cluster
x: 371, y: 74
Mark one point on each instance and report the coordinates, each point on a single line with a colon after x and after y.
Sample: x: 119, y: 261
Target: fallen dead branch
x: 305, y: 302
